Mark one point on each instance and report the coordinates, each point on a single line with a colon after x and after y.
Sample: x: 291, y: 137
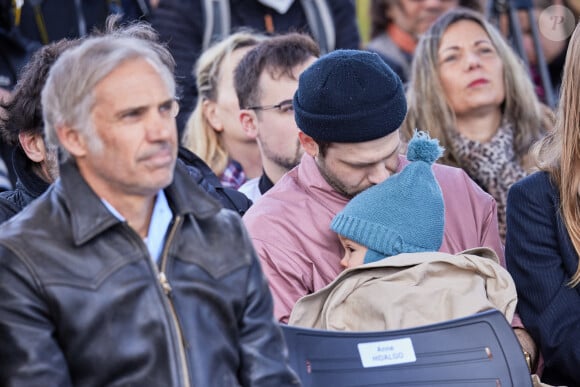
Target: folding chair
x: 474, y: 351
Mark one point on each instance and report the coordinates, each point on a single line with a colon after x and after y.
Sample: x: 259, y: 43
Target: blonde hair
x: 559, y: 152
x: 428, y: 111
x: 199, y: 136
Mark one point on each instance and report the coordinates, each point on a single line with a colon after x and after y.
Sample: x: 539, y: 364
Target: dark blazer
x: 541, y: 259
x: 83, y: 303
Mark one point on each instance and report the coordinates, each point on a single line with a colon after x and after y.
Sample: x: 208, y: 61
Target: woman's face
x: 470, y: 70
x: 227, y: 109
x: 416, y: 16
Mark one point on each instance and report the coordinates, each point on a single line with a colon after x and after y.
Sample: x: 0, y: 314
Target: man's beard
x: 285, y: 162
x: 335, y: 182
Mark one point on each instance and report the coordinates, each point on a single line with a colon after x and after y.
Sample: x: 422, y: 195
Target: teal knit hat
x: 403, y: 214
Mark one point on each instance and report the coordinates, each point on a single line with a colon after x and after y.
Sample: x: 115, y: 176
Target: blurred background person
x: 183, y: 24
x: 22, y: 127
x: 553, y: 45
x: 397, y: 25
x: 213, y: 131
x: 543, y: 236
x: 27, y: 25
x: 470, y: 90
x: 265, y: 81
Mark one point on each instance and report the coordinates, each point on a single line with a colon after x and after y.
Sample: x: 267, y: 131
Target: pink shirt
x: 290, y: 228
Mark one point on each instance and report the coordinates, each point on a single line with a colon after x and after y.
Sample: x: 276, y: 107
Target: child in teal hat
x: 403, y: 214
x: 396, y: 229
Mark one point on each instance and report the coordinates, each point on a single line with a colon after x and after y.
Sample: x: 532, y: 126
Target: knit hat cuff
x: 373, y: 256
x: 374, y: 236
x: 370, y: 122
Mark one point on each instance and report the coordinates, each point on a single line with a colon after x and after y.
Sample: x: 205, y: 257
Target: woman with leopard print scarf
x: 469, y: 90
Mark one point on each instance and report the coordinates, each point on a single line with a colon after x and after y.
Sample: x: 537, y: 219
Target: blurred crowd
x: 454, y: 125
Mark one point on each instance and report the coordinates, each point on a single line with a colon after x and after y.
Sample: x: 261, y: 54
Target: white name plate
x: 382, y: 353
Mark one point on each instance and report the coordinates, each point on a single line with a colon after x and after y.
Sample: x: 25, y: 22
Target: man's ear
x: 248, y: 120
x: 72, y: 140
x: 209, y: 111
x: 33, y: 145
x: 310, y: 146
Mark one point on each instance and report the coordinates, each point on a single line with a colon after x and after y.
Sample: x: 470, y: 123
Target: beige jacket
x: 409, y: 290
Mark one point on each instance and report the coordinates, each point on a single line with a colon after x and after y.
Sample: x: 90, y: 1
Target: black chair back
x: 475, y: 351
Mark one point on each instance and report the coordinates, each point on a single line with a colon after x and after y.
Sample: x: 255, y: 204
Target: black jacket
x: 202, y: 174
x: 28, y: 187
x: 62, y: 18
x: 82, y: 302
x: 59, y: 19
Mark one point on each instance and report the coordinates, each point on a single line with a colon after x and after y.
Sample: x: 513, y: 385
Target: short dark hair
x: 322, y: 147
x: 24, y: 109
x: 279, y: 55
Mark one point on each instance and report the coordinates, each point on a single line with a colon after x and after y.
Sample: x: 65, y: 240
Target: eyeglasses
x: 283, y: 107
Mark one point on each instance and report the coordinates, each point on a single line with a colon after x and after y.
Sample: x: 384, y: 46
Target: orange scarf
x: 403, y: 39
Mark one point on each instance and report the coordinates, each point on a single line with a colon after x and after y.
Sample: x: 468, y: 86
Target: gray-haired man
x: 125, y: 272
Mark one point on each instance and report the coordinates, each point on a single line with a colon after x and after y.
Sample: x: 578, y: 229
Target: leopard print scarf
x: 493, y: 165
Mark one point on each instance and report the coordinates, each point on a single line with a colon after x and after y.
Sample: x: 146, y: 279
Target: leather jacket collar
x: 95, y: 218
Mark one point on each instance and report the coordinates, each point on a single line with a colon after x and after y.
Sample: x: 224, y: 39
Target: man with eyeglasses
x: 265, y: 81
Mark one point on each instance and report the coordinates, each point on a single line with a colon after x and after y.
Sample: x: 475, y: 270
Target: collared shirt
x: 233, y: 176
x: 160, y: 220
x: 256, y: 187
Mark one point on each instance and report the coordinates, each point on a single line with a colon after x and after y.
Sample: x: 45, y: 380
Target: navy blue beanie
x: 403, y: 214
x: 349, y: 96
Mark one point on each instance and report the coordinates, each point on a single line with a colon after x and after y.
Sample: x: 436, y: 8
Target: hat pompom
x: 423, y: 148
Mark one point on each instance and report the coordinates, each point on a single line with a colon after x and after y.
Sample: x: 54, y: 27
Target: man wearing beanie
x: 348, y: 107
x: 405, y: 281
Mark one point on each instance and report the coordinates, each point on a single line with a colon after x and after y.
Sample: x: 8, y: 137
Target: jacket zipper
x: 166, y: 286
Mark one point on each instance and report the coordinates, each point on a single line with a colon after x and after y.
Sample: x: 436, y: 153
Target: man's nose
x: 379, y: 173
x: 159, y: 127
x: 431, y: 4
x: 472, y: 60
